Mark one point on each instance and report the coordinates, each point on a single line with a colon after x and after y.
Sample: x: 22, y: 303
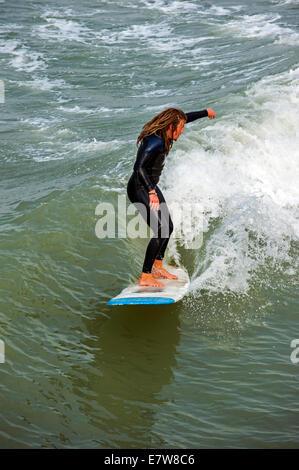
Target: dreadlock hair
x: 160, y: 124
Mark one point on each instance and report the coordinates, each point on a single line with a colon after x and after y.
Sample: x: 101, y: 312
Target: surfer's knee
x: 165, y: 230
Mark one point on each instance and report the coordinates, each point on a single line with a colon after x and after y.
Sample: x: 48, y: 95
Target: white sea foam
x: 158, y: 92
x: 40, y: 122
x: 178, y: 8
x: 140, y: 32
x: 93, y: 145
x: 261, y: 26
x: 48, y: 151
x: 165, y: 6
x: 244, y: 172
x: 159, y: 108
x: 66, y: 12
x: 10, y: 27
x: 61, y: 30
x: 47, y: 158
x: 77, y: 110
x: 219, y: 11
x: 158, y: 37
x: 62, y: 12
x: 22, y: 58
x: 290, y: 39
x: 285, y: 2
x: 101, y: 110
x: 45, y: 125
x: 45, y: 84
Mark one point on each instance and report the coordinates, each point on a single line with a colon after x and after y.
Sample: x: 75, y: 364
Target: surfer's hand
x: 211, y: 113
x: 154, y: 201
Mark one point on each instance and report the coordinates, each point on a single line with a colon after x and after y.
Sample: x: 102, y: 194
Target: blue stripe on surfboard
x: 141, y: 301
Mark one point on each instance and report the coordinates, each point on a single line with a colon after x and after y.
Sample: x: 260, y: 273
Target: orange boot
x: 146, y: 279
x: 159, y: 272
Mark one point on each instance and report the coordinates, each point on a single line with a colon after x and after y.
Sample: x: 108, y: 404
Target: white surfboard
x: 173, y: 291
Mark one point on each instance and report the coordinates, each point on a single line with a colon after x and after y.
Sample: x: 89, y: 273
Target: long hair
x: 160, y: 124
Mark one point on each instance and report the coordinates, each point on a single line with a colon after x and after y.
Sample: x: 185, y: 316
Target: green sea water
x: 219, y: 368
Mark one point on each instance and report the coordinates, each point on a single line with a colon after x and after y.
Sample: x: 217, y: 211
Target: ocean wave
x: 63, y: 30
x: 45, y: 84
x: 285, y: 2
x: 164, y: 6
x: 261, y: 26
x: 41, y: 123
x: 159, y: 37
x: 67, y: 12
x: 62, y: 12
x: 94, y: 145
x: 100, y: 110
x: 60, y: 27
x: 245, y: 173
x: 23, y: 58
x: 221, y: 11
x: 142, y: 32
x: 10, y: 28
x: 60, y: 147
x: 177, y: 8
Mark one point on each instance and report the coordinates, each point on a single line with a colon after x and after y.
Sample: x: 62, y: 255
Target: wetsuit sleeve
x: 196, y: 115
x: 144, y: 156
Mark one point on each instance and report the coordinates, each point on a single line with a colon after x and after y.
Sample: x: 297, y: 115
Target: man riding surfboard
x: 154, y: 142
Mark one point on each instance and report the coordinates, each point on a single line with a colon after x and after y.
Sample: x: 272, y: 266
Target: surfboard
x: 173, y: 291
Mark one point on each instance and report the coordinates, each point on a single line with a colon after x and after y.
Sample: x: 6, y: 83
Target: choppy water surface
x: 81, y: 78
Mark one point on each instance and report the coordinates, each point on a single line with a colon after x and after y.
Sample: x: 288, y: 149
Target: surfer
x: 154, y: 142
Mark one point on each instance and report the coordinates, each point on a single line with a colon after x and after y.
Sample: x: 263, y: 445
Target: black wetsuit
x: 147, y: 170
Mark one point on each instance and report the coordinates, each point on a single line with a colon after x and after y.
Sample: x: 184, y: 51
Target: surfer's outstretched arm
x: 200, y: 114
